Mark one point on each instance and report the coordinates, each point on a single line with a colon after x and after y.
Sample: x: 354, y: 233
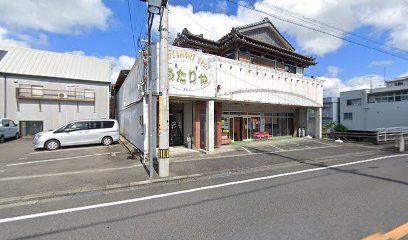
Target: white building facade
x: 43, y: 90
x: 246, y: 99
x: 369, y: 109
x: 216, y: 100
x: 331, y: 110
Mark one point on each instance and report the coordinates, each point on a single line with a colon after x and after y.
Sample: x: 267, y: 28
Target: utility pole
x: 150, y: 103
x: 163, y: 96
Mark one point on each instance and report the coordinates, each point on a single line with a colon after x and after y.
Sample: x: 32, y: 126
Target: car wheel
x: 17, y: 136
x: 106, y: 141
x: 2, y: 139
x: 52, y: 145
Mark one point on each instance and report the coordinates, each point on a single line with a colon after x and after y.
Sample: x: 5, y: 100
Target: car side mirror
x: 16, y: 125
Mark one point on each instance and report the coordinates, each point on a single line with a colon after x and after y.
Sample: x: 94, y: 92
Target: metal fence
x: 391, y: 134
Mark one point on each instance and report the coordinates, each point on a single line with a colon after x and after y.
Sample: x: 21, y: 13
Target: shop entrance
x: 243, y: 125
x: 176, y: 124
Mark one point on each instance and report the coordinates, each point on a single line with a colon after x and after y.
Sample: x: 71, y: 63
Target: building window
x: 348, y: 116
x: 290, y: 69
x: 398, y: 84
x: 354, y: 102
x: 37, y: 90
x: 89, y: 94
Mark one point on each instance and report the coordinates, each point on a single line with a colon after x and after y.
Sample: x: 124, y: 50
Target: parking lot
x: 25, y: 171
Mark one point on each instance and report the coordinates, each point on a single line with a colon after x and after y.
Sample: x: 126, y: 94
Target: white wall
x: 382, y: 115
x: 359, y: 116
x: 2, y: 96
x: 370, y: 116
x: 131, y: 107
x: 130, y: 125
x: 29, y: 110
x: 240, y: 81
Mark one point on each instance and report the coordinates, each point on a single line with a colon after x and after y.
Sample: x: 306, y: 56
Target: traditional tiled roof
x: 236, y: 35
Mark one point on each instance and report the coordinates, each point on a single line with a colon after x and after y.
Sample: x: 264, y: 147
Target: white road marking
x: 61, y: 159
x: 327, y: 144
x: 246, y: 150
x: 133, y: 200
x: 280, y: 149
x: 22, y: 158
x: 257, y: 153
x: 68, y: 173
x: 1, y: 171
x: 69, y: 149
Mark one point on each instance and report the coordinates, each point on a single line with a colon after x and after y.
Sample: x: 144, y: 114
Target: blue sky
x: 103, y: 29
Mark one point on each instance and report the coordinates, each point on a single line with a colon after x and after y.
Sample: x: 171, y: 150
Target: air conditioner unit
x: 62, y: 95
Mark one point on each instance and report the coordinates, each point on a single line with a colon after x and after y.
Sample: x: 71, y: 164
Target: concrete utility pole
x: 163, y: 97
x: 150, y: 123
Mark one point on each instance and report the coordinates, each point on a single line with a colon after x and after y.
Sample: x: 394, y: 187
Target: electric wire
x: 318, y: 30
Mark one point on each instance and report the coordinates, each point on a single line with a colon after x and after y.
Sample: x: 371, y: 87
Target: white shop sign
x: 190, y: 73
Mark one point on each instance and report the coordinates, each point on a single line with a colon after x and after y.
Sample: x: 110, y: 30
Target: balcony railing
x: 59, y: 95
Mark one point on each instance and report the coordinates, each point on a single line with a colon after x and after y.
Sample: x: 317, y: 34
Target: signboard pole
x: 163, y: 97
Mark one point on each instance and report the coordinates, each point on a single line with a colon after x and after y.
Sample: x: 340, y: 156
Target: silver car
x: 80, y: 132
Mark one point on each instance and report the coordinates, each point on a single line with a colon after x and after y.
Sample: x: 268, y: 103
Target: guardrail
x: 354, y: 135
x: 391, y: 134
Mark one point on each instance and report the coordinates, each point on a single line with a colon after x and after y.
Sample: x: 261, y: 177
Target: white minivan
x: 104, y: 131
x: 8, y: 129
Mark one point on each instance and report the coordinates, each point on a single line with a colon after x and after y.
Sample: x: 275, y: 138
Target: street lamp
x: 154, y: 6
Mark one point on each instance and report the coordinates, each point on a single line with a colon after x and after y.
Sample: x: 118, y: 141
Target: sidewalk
x: 258, y: 156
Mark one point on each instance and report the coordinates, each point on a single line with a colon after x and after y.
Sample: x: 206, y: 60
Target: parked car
x: 8, y: 129
x: 80, y: 132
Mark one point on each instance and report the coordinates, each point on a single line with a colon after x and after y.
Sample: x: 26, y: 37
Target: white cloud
x: 404, y: 75
x: 333, y: 71
x: 62, y: 16
x: 5, y: 39
x: 333, y: 86
x: 387, y: 17
x: 381, y: 63
x: 121, y: 63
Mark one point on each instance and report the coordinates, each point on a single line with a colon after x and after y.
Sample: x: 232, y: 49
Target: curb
x: 34, y: 198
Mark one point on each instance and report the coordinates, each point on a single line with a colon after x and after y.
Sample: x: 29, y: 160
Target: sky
x: 111, y: 29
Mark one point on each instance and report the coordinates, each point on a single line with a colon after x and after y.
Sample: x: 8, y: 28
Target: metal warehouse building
x: 41, y: 90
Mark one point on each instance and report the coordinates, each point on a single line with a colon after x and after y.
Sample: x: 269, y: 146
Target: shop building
x: 249, y: 81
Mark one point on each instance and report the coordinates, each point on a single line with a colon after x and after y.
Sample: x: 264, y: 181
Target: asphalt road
x: 349, y: 201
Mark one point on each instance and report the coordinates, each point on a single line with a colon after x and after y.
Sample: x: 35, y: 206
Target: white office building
x: 369, y: 109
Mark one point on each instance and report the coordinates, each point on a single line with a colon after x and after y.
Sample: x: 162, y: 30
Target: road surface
x: 343, y: 199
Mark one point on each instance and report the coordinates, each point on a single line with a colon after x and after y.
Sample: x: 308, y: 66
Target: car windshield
x: 60, y: 129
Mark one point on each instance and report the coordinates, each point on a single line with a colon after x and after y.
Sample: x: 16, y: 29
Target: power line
x: 188, y: 15
x: 131, y: 26
x: 326, y: 26
x: 318, y: 30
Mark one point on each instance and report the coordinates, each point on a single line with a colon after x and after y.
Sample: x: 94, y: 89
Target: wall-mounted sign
x: 188, y: 71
